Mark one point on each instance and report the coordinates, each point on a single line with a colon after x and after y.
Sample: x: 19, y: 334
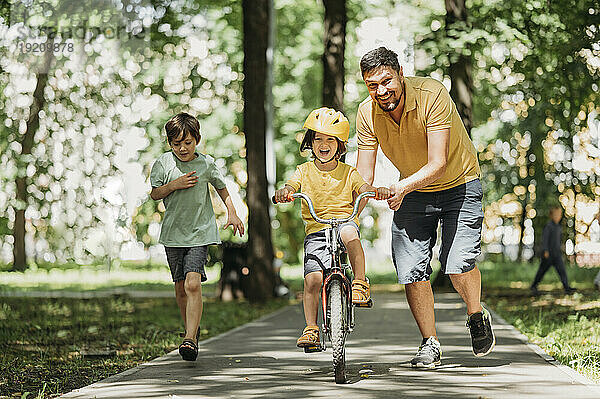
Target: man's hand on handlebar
x: 284, y: 194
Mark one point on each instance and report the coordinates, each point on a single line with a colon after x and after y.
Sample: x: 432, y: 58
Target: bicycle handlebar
x: 331, y: 221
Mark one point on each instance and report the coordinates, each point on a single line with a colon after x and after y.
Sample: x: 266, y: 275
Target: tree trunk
x: 256, y: 21
x: 460, y: 68
x: 461, y: 90
x: 233, y: 283
x: 522, y: 228
x: 21, y: 181
x: 333, y: 54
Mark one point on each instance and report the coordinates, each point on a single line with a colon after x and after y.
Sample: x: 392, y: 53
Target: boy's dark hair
x: 379, y: 57
x: 182, y: 123
x: 309, y: 136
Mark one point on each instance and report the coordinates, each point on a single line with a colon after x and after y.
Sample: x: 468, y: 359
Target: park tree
x: 334, y: 39
x: 461, y: 89
x: 256, y: 21
x: 60, y: 112
x: 26, y: 143
x: 532, y: 85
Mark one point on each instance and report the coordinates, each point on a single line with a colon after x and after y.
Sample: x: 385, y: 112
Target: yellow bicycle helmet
x: 328, y: 121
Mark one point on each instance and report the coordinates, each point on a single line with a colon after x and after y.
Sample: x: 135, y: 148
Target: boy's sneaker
x: 309, y: 337
x: 429, y: 354
x: 482, y: 336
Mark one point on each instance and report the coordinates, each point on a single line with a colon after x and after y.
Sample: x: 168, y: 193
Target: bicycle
x: 336, y: 291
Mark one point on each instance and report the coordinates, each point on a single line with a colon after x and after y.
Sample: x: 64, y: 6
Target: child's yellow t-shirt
x: 330, y: 192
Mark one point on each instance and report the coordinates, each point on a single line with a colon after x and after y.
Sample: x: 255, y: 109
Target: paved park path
x: 260, y: 360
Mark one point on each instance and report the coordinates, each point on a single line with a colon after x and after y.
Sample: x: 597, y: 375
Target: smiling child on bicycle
x: 333, y: 186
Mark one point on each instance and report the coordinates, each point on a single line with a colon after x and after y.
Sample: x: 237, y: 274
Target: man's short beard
x: 390, y: 106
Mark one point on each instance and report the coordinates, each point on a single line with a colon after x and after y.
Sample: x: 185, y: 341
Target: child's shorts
x: 316, y: 254
x: 183, y: 260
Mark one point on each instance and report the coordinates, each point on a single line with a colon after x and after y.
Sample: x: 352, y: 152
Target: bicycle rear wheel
x: 338, y: 328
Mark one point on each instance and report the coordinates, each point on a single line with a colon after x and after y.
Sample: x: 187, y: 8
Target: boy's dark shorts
x: 414, y: 231
x: 316, y: 254
x: 183, y: 260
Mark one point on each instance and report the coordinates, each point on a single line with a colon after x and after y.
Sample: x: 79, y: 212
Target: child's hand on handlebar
x: 284, y: 194
x: 383, y: 193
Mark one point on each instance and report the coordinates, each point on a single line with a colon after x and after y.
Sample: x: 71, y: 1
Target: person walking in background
x: 552, y: 252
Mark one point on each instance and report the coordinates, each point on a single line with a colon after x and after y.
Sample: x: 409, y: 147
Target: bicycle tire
x: 337, y: 303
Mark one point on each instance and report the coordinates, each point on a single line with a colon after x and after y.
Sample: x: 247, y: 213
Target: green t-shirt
x: 189, y: 218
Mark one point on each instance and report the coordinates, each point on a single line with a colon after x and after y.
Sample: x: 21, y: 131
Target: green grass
x: 41, y: 340
x: 124, y: 277
x: 565, y: 326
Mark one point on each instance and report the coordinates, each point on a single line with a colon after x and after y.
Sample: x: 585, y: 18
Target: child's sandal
x: 361, y: 294
x: 309, y: 337
x: 188, y: 350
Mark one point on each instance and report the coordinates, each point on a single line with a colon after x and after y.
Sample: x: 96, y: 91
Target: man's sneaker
x: 429, y: 354
x: 482, y: 336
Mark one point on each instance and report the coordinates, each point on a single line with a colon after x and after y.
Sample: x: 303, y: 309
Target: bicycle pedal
x: 312, y: 349
x: 368, y: 304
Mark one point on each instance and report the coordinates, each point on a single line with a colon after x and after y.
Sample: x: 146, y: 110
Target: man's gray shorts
x: 316, y: 254
x: 183, y: 260
x: 414, y: 231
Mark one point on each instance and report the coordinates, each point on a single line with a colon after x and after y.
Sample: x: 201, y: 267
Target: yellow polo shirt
x: 331, y: 192
x: 427, y: 108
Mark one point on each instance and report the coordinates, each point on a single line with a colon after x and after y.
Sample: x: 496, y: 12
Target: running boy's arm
x: 186, y: 181
x: 232, y: 217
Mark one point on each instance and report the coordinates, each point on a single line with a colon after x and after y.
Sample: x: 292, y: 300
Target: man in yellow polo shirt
x: 416, y: 123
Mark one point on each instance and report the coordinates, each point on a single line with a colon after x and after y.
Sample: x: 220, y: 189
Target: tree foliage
x: 534, y: 90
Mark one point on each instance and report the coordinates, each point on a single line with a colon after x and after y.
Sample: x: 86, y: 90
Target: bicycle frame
x: 338, y: 310
x: 337, y: 270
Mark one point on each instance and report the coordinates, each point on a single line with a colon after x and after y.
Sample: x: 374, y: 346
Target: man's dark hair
x: 309, y: 136
x: 377, y: 58
x: 182, y: 123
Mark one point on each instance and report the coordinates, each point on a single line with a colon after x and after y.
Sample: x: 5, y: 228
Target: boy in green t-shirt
x: 180, y: 178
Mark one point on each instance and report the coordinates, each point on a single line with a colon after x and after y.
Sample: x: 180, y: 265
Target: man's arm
x: 365, y: 164
x: 437, y: 159
x: 185, y: 181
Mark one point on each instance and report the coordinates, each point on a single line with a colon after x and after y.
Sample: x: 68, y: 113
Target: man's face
x: 184, y: 148
x: 385, y: 87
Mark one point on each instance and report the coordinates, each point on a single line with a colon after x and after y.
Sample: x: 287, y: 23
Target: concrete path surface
x: 260, y: 360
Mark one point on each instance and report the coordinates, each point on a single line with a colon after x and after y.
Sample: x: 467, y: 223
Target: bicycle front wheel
x: 337, y: 303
